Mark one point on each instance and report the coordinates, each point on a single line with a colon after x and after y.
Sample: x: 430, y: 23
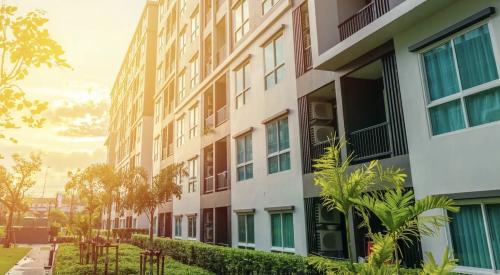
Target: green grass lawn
x: 10, y: 256
x: 67, y: 262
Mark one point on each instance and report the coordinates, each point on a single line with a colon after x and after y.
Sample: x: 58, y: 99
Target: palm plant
x: 402, y: 215
x: 340, y: 186
x: 433, y: 268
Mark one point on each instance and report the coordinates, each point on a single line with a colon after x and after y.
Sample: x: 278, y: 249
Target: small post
x: 116, y: 260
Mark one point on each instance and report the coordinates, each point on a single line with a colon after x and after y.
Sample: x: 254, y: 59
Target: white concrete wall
x: 279, y: 189
x: 457, y: 162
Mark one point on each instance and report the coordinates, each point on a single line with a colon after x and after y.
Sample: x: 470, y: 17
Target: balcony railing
x: 209, y: 184
x: 221, y: 115
x: 370, y: 143
x: 209, y: 123
x: 221, y: 181
x: 363, y: 17
x: 318, y: 149
x: 170, y: 149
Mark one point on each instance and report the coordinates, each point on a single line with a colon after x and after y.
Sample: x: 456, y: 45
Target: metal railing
x: 221, y: 115
x: 319, y: 149
x: 221, y: 181
x: 209, y: 184
x: 370, y: 143
x: 363, y: 17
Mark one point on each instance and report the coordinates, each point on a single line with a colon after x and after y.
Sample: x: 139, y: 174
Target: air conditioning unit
x: 330, y: 240
x: 322, y: 133
x: 328, y: 216
x: 321, y: 111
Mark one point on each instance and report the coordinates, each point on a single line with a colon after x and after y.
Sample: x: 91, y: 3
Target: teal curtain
x: 272, y: 137
x: 483, y: 107
x: 248, y: 148
x: 241, y: 229
x: 447, y: 117
x: 249, y: 171
x: 288, y: 241
x: 469, y: 237
x: 440, y: 72
x: 240, y: 150
x: 476, y: 62
x: 285, y: 161
x: 250, y: 229
x: 241, y: 173
x: 493, y: 212
x: 273, y: 165
x: 276, y: 230
x: 284, y: 140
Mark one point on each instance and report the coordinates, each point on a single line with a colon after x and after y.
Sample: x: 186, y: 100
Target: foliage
x: 67, y: 259
x: 431, y: 267
x: 54, y: 229
x: 10, y: 256
x: 339, y: 185
x: 24, y: 44
x: 57, y: 216
x: 126, y: 233
x: 14, y: 186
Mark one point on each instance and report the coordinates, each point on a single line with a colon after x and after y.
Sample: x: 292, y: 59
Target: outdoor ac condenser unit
x: 321, y: 111
x: 322, y: 133
x: 328, y: 216
x: 330, y: 240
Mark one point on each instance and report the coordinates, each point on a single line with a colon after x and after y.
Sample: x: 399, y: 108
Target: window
x: 475, y: 234
x: 192, y: 174
x: 193, y: 121
x: 242, y: 84
x: 182, y: 8
x: 138, y: 160
x: 194, y: 67
x: 274, y: 61
x: 246, y: 233
x: 463, y: 88
x: 182, y: 42
x: 278, y: 146
x: 182, y: 86
x: 156, y: 147
x: 267, y: 5
x: 195, y: 26
x: 241, y: 23
x: 244, y: 159
x: 180, y: 131
x: 178, y: 226
x: 282, y: 232
x: 157, y: 110
x: 139, y: 132
x: 192, y: 227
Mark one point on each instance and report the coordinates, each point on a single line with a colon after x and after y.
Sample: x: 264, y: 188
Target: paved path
x: 33, y: 263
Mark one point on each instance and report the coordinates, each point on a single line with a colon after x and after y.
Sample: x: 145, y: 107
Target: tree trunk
x: 151, y: 226
x: 108, y: 227
x: 348, y: 236
x: 8, y: 235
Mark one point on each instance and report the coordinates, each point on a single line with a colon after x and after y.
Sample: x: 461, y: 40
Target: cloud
x: 96, y: 128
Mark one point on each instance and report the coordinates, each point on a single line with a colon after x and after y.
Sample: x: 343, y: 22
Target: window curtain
x: 284, y: 140
x: 249, y: 171
x: 272, y: 137
x: 248, y: 148
x: 440, y: 71
x: 241, y: 229
x: 285, y: 161
x: 276, y: 230
x: 493, y: 212
x: 484, y: 107
x: 476, y: 62
x: 447, y: 117
x: 469, y: 237
x: 250, y: 229
x: 240, y: 144
x: 288, y: 241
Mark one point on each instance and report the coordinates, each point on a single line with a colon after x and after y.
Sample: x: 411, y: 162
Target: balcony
x: 209, y: 123
x: 370, y: 143
x: 220, y: 55
x: 221, y: 181
x: 221, y: 115
x: 363, y: 17
x: 209, y: 184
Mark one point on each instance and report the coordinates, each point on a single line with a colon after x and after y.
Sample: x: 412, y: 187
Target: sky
x: 95, y: 35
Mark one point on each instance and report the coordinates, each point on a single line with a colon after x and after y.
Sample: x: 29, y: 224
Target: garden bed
x: 67, y: 262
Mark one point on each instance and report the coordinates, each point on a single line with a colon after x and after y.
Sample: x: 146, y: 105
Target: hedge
x: 227, y: 260
x: 126, y: 233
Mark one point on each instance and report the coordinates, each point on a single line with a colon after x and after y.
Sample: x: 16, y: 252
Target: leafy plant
x: 431, y: 267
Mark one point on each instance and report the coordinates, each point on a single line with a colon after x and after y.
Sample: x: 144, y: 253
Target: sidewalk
x: 34, y: 262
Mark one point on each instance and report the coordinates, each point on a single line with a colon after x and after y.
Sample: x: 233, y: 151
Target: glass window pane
x: 272, y: 165
x: 483, y: 107
x: 279, y: 50
x: 288, y: 240
x: 241, y: 173
x: 269, y: 58
x: 270, y: 81
x: 239, y: 80
x: 240, y: 149
x: 245, y: 10
x: 475, y: 58
x: 469, y: 237
x: 246, y: 74
x: 266, y: 6
x: 240, y: 100
x: 285, y: 161
x: 250, y: 229
x: 276, y: 230
x: 249, y: 171
x: 272, y: 138
x: 248, y: 148
x: 493, y: 212
x: 440, y: 72
x: 447, y: 117
x: 280, y: 73
x: 284, y: 141
x: 241, y: 229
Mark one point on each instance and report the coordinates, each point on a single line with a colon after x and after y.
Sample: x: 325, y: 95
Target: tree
x: 58, y: 216
x: 403, y: 216
x: 146, y: 197
x: 15, y: 184
x: 24, y: 44
x: 339, y: 186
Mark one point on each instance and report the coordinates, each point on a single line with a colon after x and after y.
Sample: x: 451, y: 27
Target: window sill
x: 282, y: 249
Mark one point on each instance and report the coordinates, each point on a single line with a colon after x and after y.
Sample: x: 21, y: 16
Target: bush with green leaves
x: 126, y: 233
x: 67, y: 262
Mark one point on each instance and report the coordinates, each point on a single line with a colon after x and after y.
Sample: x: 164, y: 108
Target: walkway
x: 34, y: 262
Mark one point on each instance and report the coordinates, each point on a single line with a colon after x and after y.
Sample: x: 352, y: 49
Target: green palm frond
x: 431, y: 267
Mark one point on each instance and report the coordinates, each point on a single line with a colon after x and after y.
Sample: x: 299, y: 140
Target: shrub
x: 126, y: 233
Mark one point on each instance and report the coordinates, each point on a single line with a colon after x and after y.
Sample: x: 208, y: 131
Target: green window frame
x: 246, y: 230
x: 278, y: 146
x: 462, y: 81
x: 244, y: 158
x: 282, y: 232
x: 475, y: 234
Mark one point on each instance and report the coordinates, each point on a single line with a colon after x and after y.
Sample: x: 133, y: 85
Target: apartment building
x: 129, y: 141
x: 427, y: 72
